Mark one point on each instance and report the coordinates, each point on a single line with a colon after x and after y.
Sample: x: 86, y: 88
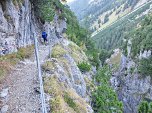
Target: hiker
x: 44, y: 36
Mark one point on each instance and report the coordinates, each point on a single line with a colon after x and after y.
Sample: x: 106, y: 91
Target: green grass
x: 84, y: 67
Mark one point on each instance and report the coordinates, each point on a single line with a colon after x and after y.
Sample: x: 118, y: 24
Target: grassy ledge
x: 8, y: 61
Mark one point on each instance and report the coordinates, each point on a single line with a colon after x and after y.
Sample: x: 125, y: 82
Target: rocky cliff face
x: 132, y: 87
x: 17, y: 25
x: 64, y: 79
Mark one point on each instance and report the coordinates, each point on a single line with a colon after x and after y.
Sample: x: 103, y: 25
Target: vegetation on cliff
x: 145, y: 67
x: 63, y: 99
x: 141, y: 37
x: 104, y: 98
x: 145, y: 107
x: 141, y: 41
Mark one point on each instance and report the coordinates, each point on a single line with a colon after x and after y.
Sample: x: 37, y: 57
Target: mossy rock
x: 58, y: 51
x: 65, y: 64
x: 48, y: 66
x: 90, y: 85
x: 63, y: 99
x: 52, y: 86
x: 77, y: 53
x: 70, y: 102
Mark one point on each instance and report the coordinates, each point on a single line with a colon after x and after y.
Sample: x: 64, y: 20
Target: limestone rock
x: 4, y: 109
x: 4, y: 93
x: 17, y: 26
x: 131, y: 87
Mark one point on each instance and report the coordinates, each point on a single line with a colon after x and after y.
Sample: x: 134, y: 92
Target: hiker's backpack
x: 44, y: 35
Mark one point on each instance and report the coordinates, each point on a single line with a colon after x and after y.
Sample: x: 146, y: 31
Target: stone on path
x: 4, y: 93
x: 4, y: 109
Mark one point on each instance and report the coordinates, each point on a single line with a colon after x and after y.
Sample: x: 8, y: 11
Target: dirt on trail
x: 19, y: 94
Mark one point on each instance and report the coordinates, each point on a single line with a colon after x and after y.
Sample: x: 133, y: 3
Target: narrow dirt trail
x: 22, y: 97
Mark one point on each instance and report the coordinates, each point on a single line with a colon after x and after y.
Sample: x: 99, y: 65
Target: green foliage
x: 145, y: 67
x: 145, y: 107
x: 106, y: 18
x: 93, y: 53
x: 104, y: 55
x: 104, y: 97
x: 46, y: 9
x: 95, y: 59
x: 132, y: 69
x: 84, y: 67
x: 142, y: 37
x: 75, y: 33
x: 103, y: 75
x: 106, y: 7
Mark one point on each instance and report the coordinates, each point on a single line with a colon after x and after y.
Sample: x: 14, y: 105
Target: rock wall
x: 17, y: 25
x: 131, y: 87
x: 62, y: 68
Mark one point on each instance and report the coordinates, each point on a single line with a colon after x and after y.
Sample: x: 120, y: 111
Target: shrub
x: 145, y: 107
x: 84, y: 67
x: 145, y: 67
x: 104, y: 54
x: 132, y: 69
x: 104, y: 99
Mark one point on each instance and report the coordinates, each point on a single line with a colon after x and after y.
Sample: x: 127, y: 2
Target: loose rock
x: 4, y: 93
x: 4, y: 109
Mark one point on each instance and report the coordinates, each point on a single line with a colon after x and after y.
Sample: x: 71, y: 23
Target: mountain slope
x: 112, y: 37
x: 100, y: 13
x: 78, y: 6
x: 132, y: 80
